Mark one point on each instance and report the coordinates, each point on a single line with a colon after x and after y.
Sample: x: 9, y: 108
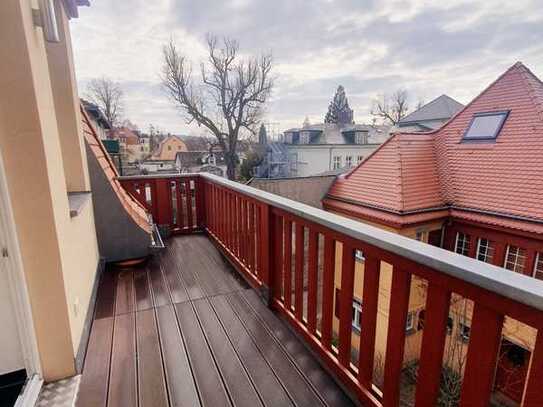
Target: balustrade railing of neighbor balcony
x: 280, y: 245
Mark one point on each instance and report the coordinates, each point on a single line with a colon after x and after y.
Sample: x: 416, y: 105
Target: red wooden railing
x: 280, y: 245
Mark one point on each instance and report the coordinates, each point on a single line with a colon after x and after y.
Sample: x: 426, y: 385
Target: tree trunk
x: 230, y: 167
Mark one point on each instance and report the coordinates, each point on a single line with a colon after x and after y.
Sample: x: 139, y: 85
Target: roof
x: 441, y: 108
x: 96, y: 113
x: 72, y: 5
x: 503, y: 179
x: 130, y: 204
x: 331, y: 133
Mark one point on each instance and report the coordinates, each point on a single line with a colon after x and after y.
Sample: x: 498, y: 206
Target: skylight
x: 485, y: 126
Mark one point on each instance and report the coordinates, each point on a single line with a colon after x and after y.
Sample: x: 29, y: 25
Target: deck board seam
x: 290, y: 396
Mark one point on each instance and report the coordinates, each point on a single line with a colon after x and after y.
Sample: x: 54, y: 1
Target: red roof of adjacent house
x: 503, y: 178
x: 131, y: 205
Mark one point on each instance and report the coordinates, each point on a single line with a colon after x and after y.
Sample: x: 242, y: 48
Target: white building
x: 319, y: 148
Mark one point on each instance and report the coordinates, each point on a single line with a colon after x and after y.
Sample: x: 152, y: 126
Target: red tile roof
x: 132, y: 206
x: 503, y: 178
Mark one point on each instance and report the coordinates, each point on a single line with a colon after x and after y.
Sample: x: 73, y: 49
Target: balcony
x: 239, y: 308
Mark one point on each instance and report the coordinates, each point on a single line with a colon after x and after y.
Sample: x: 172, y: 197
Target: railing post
x: 163, y: 206
x: 199, y: 185
x: 265, y: 247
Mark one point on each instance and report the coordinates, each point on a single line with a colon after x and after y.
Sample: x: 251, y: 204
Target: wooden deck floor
x: 185, y: 331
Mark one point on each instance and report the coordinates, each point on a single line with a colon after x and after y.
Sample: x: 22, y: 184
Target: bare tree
x: 391, y: 109
x: 108, y: 96
x: 230, y: 94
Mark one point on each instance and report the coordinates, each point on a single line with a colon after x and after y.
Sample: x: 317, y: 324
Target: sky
x: 427, y: 47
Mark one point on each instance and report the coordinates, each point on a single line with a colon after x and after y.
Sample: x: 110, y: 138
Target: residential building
x: 99, y: 121
x: 201, y: 161
x: 129, y: 143
x: 471, y: 186
x: 318, y: 148
x: 431, y: 115
x: 168, y: 148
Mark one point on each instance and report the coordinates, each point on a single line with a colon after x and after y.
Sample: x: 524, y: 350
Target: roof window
x: 485, y: 126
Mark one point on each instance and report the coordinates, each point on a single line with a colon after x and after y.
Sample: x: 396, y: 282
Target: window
x: 142, y: 149
x: 179, y: 147
x: 337, y: 162
x: 358, y: 255
x: 515, y: 259
x: 485, y: 126
x: 349, y: 161
x: 359, y: 159
x: 304, y: 137
x: 421, y: 235
x: 485, y: 250
x: 410, y: 322
x: 449, y: 325
x: 361, y: 137
x: 357, y: 315
x: 169, y: 148
x: 538, y: 266
x: 462, y: 244
x: 464, y: 332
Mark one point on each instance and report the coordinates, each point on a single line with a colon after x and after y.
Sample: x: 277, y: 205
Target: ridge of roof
x: 442, y: 107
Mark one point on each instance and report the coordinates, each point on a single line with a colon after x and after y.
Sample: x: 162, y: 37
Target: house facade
x: 168, y: 148
x: 316, y: 149
x: 472, y: 187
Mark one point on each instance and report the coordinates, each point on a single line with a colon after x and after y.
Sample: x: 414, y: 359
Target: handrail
x: 515, y: 286
x: 287, y: 250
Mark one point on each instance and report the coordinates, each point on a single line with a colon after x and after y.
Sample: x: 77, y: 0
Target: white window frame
x: 359, y: 159
x: 336, y: 162
x: 463, y: 245
x: 349, y: 161
x: 357, y: 311
x: 488, y: 246
x: 359, y: 255
x: 410, y: 322
x: 461, y: 334
x: 538, y: 257
x: 516, y: 258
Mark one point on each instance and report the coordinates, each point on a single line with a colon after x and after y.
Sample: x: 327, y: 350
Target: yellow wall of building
x: 59, y: 253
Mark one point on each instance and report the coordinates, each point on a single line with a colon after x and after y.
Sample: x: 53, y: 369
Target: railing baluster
x: 287, y: 273
x: 179, y: 204
x: 346, y: 304
x: 239, y: 239
x: 370, y: 297
x: 199, y: 199
x: 397, y: 319
x: 276, y: 274
x: 189, y: 203
x: 484, y: 343
x: 251, y: 237
x: 299, y: 272
x: 312, y: 280
x: 328, y: 291
x: 433, y: 345
x: 533, y: 394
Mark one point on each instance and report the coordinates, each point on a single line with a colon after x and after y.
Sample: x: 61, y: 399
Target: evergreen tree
x: 339, y: 111
x: 262, y: 135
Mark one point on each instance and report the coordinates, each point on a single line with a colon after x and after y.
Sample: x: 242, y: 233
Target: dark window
x: 485, y: 126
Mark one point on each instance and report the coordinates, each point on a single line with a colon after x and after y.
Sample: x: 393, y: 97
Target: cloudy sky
x: 370, y: 47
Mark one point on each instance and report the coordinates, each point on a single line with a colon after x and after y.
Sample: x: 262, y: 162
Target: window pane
x: 485, y: 126
x: 538, y: 268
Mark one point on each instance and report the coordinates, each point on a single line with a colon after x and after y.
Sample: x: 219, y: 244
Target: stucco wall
x: 310, y: 190
x: 59, y: 253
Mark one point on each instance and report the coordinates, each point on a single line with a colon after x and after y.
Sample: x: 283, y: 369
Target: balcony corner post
x: 199, y: 185
x: 163, y: 206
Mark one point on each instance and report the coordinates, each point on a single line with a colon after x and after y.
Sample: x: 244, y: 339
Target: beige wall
x: 59, y: 253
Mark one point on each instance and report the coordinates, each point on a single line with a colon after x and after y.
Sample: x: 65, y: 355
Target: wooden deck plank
x: 94, y: 381
x: 161, y: 295
x: 124, y: 298
x: 105, y: 301
x: 175, y: 284
x: 192, y: 284
x: 298, y: 388
x: 306, y: 363
x: 152, y: 389
x: 266, y: 383
x: 236, y: 380
x: 181, y: 386
x: 143, y: 292
x: 209, y: 383
x: 123, y: 379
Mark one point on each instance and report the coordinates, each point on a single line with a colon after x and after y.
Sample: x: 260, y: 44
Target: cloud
x: 370, y: 47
